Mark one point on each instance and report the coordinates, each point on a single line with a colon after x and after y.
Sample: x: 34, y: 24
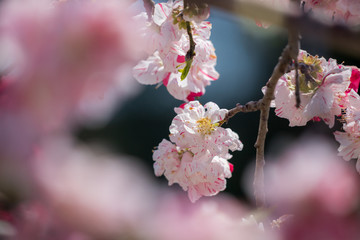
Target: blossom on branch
x: 170, y: 62
x: 322, y: 87
x: 197, y: 158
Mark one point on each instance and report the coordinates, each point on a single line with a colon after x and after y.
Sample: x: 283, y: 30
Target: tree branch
x: 251, y: 106
x: 336, y: 36
x: 289, y: 53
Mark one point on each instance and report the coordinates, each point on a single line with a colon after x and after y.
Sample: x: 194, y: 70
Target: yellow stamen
x: 205, y: 127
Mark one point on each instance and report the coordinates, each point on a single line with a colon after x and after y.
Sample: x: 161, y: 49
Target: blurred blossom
x: 311, y: 173
x: 210, y: 219
x: 283, y: 6
x: 317, y: 188
x: 34, y: 220
x: 92, y: 191
x: 339, y: 11
x: 61, y: 63
x: 66, y: 57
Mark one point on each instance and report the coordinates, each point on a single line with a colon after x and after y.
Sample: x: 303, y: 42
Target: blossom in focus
x: 197, y: 156
x: 220, y: 217
x: 350, y: 139
x: 168, y: 45
x: 197, y: 128
x: 322, y: 88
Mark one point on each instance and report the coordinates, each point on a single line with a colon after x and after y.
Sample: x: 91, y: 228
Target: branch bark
x: 289, y: 53
x: 337, y: 36
x: 251, y: 106
x: 279, y: 70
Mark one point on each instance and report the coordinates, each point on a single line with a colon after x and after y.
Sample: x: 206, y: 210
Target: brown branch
x: 294, y: 43
x: 289, y: 53
x: 264, y: 106
x: 336, y: 36
x: 149, y: 6
x: 297, y: 84
x: 251, y: 106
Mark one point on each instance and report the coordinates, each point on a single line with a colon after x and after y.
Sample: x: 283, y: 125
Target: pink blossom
x: 196, y: 128
x: 71, y: 66
x: 349, y: 146
x: 348, y: 11
x: 350, y: 139
x: 91, y: 190
x: 355, y: 79
x: 216, y: 218
x: 317, y: 189
x: 35, y: 220
x: 340, y: 11
x: 197, y: 158
x: 283, y: 6
x: 198, y: 178
x: 168, y: 46
x: 300, y: 179
x: 322, y: 87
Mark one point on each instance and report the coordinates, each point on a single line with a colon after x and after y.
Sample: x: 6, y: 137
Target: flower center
x: 309, y: 77
x: 205, y: 127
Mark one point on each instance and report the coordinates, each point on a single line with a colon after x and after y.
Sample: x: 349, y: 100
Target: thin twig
x: 297, y: 84
x: 191, y: 52
x: 251, y: 106
x: 294, y: 43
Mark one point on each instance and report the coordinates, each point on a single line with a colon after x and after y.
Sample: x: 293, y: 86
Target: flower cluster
x: 323, y: 85
x: 327, y: 90
x: 170, y: 61
x: 197, y: 156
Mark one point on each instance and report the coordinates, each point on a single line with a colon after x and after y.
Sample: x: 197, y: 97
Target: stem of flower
x: 191, y: 52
